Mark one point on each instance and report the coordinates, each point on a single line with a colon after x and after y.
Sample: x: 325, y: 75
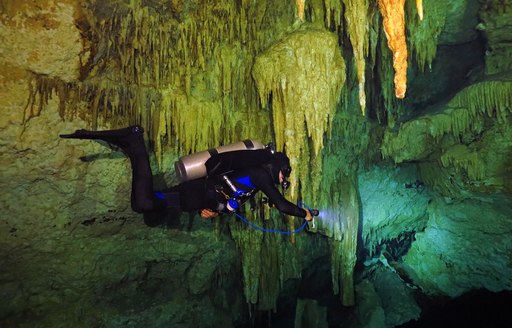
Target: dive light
x: 312, y: 223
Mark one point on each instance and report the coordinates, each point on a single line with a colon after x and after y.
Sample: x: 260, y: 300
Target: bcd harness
x: 220, y: 165
x: 239, y: 197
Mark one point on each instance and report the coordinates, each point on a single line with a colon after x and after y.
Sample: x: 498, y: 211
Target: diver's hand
x: 208, y: 213
x: 309, y: 216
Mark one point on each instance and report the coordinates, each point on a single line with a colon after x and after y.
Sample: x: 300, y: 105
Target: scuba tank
x: 193, y: 166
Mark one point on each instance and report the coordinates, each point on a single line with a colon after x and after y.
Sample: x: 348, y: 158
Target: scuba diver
x: 231, y: 179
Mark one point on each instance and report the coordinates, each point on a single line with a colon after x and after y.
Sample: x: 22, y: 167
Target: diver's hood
x: 280, y: 162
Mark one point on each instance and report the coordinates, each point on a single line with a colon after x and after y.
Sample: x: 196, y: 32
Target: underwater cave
x: 395, y: 116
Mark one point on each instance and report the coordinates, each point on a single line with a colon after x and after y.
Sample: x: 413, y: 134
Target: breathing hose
x: 299, y: 203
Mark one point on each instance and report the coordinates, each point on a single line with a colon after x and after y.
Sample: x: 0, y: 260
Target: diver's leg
x: 171, y: 196
x: 131, y: 141
x: 143, y: 197
x: 119, y: 137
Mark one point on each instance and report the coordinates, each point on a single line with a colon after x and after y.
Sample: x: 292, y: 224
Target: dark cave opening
x: 316, y: 284
x: 477, y: 308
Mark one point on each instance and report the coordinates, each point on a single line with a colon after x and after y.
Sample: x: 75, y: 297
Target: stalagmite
x: 394, y: 27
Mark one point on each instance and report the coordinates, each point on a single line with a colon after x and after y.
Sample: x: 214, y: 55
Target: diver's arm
x: 266, y: 185
x: 283, y: 205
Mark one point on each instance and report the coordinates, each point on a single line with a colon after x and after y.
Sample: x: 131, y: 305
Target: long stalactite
x: 356, y: 15
x: 304, y: 86
x: 394, y: 26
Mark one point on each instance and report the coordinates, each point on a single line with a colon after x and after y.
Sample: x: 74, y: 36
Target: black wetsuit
x: 210, y: 193
x: 188, y: 196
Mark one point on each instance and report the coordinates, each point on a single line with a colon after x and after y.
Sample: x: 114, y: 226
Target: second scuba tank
x: 192, y: 166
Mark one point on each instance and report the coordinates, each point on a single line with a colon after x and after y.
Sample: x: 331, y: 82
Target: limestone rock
x: 465, y: 246
x: 394, y: 202
x: 370, y: 313
x: 462, y: 17
x: 398, y: 299
x: 42, y: 38
x: 496, y: 16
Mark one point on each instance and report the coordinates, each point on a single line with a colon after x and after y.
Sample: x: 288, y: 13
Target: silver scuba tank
x: 192, y: 166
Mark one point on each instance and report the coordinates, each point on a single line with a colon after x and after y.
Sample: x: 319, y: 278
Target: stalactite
x: 492, y: 98
x: 270, y: 282
x: 485, y: 99
x: 461, y: 117
x: 385, y: 71
x: 40, y: 92
x: 439, y: 179
x: 333, y: 14
x: 144, y: 70
x: 419, y: 7
x: 351, y: 213
x: 423, y: 33
x: 263, y: 260
x: 464, y: 160
x: 249, y: 241
x: 305, y: 86
x: 374, y: 23
x: 394, y: 27
x: 374, y: 64
x: 356, y: 15
x: 308, y: 313
x: 339, y: 222
x: 300, y: 9
x: 344, y: 155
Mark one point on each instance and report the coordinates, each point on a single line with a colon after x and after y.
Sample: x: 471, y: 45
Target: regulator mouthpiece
x: 285, y: 185
x: 270, y: 147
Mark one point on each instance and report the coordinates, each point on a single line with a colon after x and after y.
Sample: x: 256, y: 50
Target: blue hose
x: 300, y: 204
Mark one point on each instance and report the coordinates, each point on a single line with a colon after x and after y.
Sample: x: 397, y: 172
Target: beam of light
x: 324, y: 222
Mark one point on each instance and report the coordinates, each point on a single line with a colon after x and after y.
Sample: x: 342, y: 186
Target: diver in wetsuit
x: 209, y: 195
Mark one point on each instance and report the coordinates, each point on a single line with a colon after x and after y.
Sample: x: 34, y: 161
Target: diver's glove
x: 207, y: 213
x: 309, y: 214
